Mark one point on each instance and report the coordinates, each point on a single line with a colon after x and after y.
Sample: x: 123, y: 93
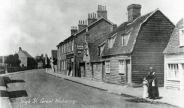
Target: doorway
x: 182, y: 77
x: 128, y: 72
x: 103, y: 71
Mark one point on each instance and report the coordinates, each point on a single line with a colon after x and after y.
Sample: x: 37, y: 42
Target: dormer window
x: 100, y: 49
x: 111, y: 41
x: 181, y: 35
x: 125, y: 37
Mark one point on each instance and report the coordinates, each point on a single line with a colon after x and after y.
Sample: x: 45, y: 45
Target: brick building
x: 71, y: 50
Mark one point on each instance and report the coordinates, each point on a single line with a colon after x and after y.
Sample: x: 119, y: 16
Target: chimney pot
x: 102, y: 12
x: 82, y: 25
x: 74, y: 30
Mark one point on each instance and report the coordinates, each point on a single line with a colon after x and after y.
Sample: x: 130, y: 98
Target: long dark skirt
x: 154, y: 93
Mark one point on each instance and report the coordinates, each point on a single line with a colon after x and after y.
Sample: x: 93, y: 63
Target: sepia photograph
x: 91, y: 53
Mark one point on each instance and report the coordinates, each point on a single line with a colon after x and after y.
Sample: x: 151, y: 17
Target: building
x: 25, y: 58
x: 135, y: 46
x: 71, y: 50
x: 66, y: 54
x: 174, y: 59
x: 87, y: 38
x: 53, y: 60
x: 2, y: 60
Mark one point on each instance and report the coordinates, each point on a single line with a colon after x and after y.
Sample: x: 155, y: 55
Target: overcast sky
x: 39, y: 25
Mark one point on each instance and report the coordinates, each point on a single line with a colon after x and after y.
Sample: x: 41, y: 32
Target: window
x: 173, y: 72
x: 61, y: 65
x: 107, y: 67
x: 122, y: 67
x: 61, y: 49
x: 72, y: 45
x: 67, y: 47
x: 64, y: 48
x: 125, y: 38
x: 111, y: 41
x: 100, y: 49
x: 181, y: 35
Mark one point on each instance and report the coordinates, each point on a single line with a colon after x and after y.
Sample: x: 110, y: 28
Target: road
x: 36, y: 89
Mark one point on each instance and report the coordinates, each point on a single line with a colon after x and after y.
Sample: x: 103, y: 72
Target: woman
x: 152, y: 84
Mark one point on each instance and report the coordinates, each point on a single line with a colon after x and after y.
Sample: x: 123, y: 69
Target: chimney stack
x: 82, y: 24
x: 91, y: 18
x: 102, y: 12
x: 134, y: 11
x: 73, y: 30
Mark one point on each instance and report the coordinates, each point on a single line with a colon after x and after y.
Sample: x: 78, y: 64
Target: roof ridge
x: 26, y: 53
x: 87, y: 27
x: 94, y: 23
x: 151, y: 13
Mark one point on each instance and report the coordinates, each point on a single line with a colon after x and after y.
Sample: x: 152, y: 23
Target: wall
x: 114, y: 76
x: 151, y: 41
x: 97, y: 71
x: 173, y: 58
x: 97, y: 33
x: 22, y: 58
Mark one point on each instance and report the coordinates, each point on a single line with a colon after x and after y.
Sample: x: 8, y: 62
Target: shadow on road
x: 3, y: 93
x: 8, y: 80
x: 16, y: 94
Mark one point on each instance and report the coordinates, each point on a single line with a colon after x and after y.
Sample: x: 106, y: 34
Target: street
x: 36, y: 89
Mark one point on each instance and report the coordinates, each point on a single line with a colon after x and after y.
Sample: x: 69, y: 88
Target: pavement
x: 168, y: 96
x: 4, y: 98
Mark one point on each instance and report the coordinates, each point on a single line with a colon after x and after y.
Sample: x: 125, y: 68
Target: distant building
x: 54, y: 60
x: 174, y: 58
x: 39, y: 60
x: 24, y: 57
x: 2, y: 60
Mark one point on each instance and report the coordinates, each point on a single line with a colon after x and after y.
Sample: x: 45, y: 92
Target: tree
x: 13, y: 60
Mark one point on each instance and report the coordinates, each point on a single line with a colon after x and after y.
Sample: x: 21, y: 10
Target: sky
x: 38, y: 26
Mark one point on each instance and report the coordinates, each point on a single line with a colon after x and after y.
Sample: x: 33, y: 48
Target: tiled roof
x: 173, y: 45
x: 94, y: 24
x: 87, y: 27
x: 123, y: 29
x: 26, y: 53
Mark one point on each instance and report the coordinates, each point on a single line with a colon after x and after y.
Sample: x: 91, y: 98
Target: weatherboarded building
x: 174, y: 59
x: 135, y: 46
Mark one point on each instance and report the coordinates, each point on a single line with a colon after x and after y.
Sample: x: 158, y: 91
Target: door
x: 82, y: 69
x: 103, y: 71
x: 128, y: 72
x: 182, y: 78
